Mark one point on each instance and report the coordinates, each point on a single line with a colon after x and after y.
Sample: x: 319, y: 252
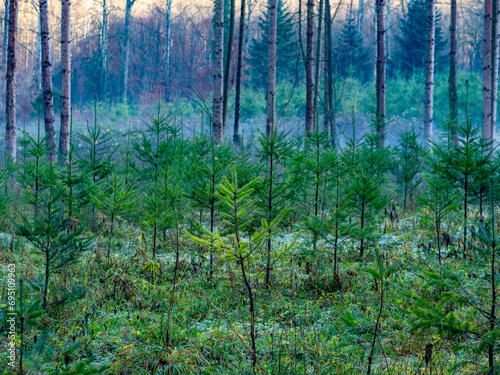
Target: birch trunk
x: 271, y: 80
x: 10, y: 103
x: 488, y: 4
x: 227, y: 69
x: 361, y: 14
x: 241, y: 43
x: 494, y: 66
x: 318, y: 66
x: 66, y: 78
x: 126, y: 49
x: 309, y: 68
x: 453, y: 71
x: 429, y: 72
x: 218, y: 71
x: 380, y: 73
x: 328, y: 97
x: 167, y: 53
x: 38, y: 68
x: 5, y: 32
x: 104, y: 51
x: 48, y: 101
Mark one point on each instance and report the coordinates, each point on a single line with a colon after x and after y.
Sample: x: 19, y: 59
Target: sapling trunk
x: 171, y: 299
x: 362, y: 226
x: 372, y: 349
x: 466, y: 186
x: 270, y: 207
x: 21, y: 318
x: 491, y: 347
x: 438, y: 226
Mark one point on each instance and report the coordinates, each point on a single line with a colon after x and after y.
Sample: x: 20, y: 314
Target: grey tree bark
x: 227, y: 69
x: 488, y: 10
x: 494, y: 65
x: 5, y: 32
x: 65, y: 78
x: 328, y: 124
x: 318, y: 66
x: 126, y: 48
x: 10, y: 102
x: 217, y: 133
x: 48, y: 101
x: 167, y: 52
x: 380, y: 72
x: 239, y: 72
x: 361, y: 14
x: 309, y: 68
x: 271, y: 80
x: 104, y: 51
x: 429, y: 71
x: 453, y: 71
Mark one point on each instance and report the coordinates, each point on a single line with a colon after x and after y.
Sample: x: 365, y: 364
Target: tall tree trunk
x: 429, y: 71
x: 361, y: 14
x: 167, y: 53
x: 247, y: 32
x: 328, y: 97
x: 48, y: 101
x: 318, y: 66
x: 217, y: 133
x: 227, y: 69
x: 488, y: 4
x: 10, y: 103
x: 388, y: 28
x: 271, y: 80
x: 5, y: 32
x: 38, y: 68
x: 309, y: 68
x: 494, y: 66
x: 453, y: 71
x: 66, y: 78
x: 239, y: 72
x: 380, y: 73
x: 104, y: 52
x: 126, y: 49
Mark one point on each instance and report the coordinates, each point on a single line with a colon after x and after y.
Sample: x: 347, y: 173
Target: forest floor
x: 126, y: 316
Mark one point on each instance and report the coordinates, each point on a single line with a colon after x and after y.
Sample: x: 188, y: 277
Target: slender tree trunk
x: 388, y: 31
x: 217, y: 133
x: 104, y: 52
x: 271, y: 80
x: 66, y: 78
x: 247, y: 31
x: 227, y: 69
x: 488, y: 4
x: 167, y: 52
x: 10, y: 102
x: 126, y: 49
x: 47, y: 275
x: 453, y: 72
x: 328, y: 96
x: 48, y: 100
x: 318, y: 66
x: 38, y: 68
x: 239, y: 72
x: 309, y: 68
x: 494, y: 66
x: 361, y: 14
x: 380, y: 73
x: 429, y: 71
x: 5, y: 32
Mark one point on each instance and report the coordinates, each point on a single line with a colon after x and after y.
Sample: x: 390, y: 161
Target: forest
x: 249, y: 187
